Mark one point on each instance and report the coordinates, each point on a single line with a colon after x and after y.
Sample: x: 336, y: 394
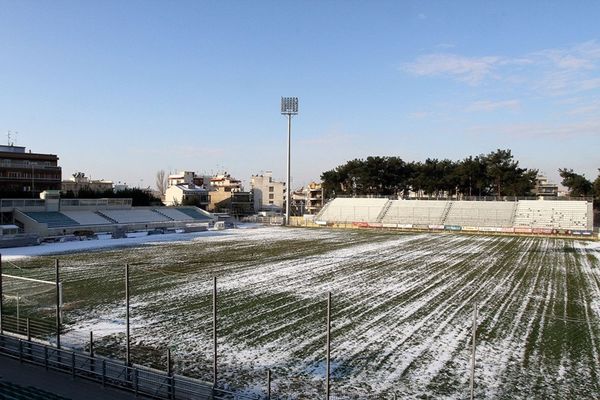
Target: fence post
x: 20, y: 350
x: 28, y: 330
x: 92, y: 344
x: 127, y: 355
x: 473, y: 352
x: 268, y: 384
x: 46, y: 357
x: 56, y: 263
x: 18, y: 315
x: 135, y: 380
x: 215, y: 372
x: 73, y: 363
x: 103, y: 372
x: 327, y: 388
x: 169, y: 374
x: 1, y: 295
x: 92, y: 361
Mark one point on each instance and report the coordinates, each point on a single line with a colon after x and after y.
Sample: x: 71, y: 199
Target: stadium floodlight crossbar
x: 289, y: 107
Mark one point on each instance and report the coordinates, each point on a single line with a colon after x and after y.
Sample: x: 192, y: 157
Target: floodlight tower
x: 289, y: 107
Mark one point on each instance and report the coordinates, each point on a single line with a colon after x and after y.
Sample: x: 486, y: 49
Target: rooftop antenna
x: 8, y: 134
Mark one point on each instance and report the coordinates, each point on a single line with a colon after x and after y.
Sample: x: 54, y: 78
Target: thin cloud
x: 590, y: 127
x: 592, y: 107
x: 420, y: 114
x: 489, y: 105
x: 329, y: 138
x: 556, y: 71
x: 468, y: 69
x: 180, y: 151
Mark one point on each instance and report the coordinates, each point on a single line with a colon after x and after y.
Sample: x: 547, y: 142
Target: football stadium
x: 248, y: 307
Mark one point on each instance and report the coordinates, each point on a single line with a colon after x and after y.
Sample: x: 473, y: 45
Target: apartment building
x: 27, y: 174
x: 269, y: 195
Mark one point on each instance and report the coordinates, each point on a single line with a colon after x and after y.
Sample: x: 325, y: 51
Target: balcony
x: 28, y: 179
x: 28, y: 167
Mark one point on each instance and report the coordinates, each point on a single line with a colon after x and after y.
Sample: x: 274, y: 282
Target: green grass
x: 402, y: 310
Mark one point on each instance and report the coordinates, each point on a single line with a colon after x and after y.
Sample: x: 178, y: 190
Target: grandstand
x: 522, y: 216
x: 422, y: 212
x: 353, y: 210
x: 52, y: 219
x: 135, y: 216
x: 481, y: 213
x: 101, y: 215
x: 86, y: 217
x: 195, y: 213
x: 558, y: 215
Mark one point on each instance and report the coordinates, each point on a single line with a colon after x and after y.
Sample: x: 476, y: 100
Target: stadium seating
x: 195, y: 214
x: 135, y: 216
x: 86, y: 217
x: 173, y: 214
x: 352, y: 210
x: 52, y: 218
x: 548, y: 214
x: 552, y: 214
x: 423, y: 212
x: 12, y: 391
x: 481, y: 213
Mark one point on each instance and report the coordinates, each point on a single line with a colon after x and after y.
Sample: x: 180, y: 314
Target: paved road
x: 57, y: 383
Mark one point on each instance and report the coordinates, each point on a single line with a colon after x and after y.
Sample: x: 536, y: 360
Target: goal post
x: 25, y: 297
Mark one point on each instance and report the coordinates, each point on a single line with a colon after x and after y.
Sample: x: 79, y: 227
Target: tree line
x: 493, y: 174
x: 139, y: 197
x: 579, y: 185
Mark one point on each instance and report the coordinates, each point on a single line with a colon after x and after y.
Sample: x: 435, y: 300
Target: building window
x: 271, y: 189
x: 271, y: 196
x: 270, y: 202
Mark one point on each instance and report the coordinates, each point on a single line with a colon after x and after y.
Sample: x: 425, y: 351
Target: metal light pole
x: 289, y: 107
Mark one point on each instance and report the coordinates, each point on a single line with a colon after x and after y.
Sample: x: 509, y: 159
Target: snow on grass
x: 402, y: 310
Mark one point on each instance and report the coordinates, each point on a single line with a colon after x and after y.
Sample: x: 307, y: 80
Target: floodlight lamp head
x: 289, y: 105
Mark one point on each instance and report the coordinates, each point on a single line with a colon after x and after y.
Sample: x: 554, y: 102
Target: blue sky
x: 121, y: 89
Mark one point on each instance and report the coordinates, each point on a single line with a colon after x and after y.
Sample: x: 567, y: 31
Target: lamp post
x: 289, y: 107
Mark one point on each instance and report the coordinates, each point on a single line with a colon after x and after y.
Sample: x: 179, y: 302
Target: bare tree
x: 161, y: 182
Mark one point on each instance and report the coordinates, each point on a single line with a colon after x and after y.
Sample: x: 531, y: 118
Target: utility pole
x: 289, y: 107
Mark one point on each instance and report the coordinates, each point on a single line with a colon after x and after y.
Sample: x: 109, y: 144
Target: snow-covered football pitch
x: 401, y: 317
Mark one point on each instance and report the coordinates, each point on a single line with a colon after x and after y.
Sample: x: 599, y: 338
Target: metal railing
x: 11, y: 203
x: 125, y: 202
x: 29, y: 327
x: 264, y: 220
x: 115, y: 373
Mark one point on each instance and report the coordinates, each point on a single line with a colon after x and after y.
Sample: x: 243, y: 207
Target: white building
x: 185, y: 188
x: 185, y: 177
x: 269, y: 195
x: 186, y: 195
